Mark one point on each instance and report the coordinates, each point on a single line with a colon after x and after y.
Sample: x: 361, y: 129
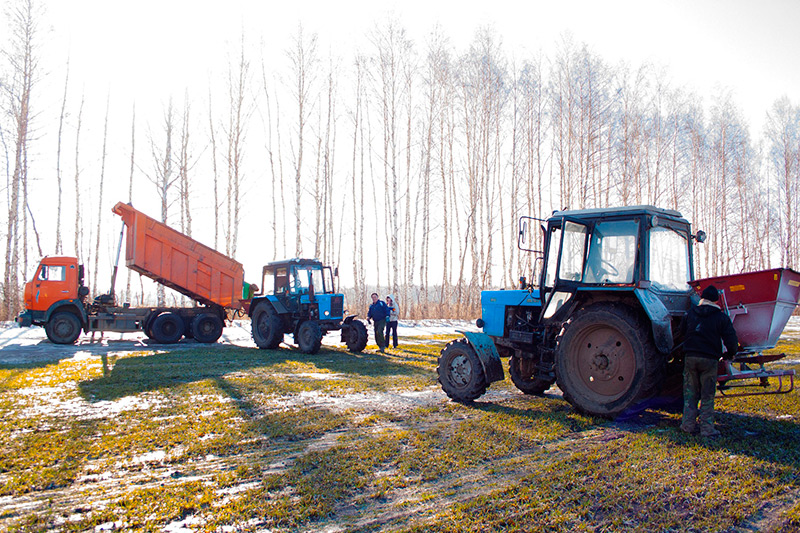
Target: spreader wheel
x: 606, y: 361
x: 356, y: 336
x: 461, y: 372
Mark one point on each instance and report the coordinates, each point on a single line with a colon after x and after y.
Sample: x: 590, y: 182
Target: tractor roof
x: 296, y: 261
x: 625, y: 211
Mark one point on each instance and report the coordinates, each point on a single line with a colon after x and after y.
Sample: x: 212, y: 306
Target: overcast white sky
x: 145, y: 51
x: 749, y: 47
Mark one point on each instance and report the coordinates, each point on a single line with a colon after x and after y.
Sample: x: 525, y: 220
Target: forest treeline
x: 407, y: 164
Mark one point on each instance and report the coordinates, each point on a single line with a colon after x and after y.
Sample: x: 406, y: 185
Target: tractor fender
x: 348, y: 319
x: 487, y: 353
x: 272, y: 300
x: 74, y: 306
x: 660, y: 319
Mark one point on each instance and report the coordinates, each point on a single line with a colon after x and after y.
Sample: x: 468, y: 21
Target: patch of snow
x: 185, y: 525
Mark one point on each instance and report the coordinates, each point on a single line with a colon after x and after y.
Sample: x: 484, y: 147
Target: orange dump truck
x: 57, y: 299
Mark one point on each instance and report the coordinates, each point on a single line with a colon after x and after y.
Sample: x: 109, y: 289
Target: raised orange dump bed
x: 181, y: 263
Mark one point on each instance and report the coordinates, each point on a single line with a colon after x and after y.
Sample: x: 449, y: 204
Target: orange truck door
x: 54, y: 281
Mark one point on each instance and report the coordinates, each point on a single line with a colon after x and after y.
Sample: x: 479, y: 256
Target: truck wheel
x: 267, y: 328
x: 606, y: 361
x: 460, y: 372
x: 522, y: 375
x: 207, y: 328
x: 63, y: 328
x: 356, y: 336
x: 167, y: 328
x: 309, y: 337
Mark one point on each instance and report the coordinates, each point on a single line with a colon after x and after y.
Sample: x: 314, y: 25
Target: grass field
x: 226, y: 438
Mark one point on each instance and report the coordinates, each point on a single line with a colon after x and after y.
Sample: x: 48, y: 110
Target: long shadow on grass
x: 133, y: 375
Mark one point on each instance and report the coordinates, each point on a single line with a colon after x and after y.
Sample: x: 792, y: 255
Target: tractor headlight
x: 327, y: 313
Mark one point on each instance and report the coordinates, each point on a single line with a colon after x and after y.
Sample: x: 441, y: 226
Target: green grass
x: 284, y: 441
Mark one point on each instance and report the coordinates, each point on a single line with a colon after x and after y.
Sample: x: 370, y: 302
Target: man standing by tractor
x: 378, y: 313
x: 707, y: 328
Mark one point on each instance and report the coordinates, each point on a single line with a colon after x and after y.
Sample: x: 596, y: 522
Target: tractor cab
x: 303, y: 286
x: 640, y: 250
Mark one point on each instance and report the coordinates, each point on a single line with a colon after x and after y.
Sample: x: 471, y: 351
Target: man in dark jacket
x: 378, y: 313
x: 707, y: 328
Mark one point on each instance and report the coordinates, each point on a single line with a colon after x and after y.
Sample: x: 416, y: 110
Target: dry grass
x: 234, y: 439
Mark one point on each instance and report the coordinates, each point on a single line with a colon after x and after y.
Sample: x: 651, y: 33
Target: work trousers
x: 379, y: 339
x: 699, y: 385
x: 391, y: 327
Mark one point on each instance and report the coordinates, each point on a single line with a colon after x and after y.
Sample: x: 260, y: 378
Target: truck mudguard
x: 659, y: 318
x: 58, y: 306
x: 487, y: 353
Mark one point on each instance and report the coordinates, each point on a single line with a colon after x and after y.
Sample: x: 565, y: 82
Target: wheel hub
x: 460, y: 370
x: 606, y: 361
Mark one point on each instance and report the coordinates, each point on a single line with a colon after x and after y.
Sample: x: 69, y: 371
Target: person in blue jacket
x: 378, y: 313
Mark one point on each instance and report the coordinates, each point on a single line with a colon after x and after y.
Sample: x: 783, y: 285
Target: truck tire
x: 523, y: 379
x: 167, y: 328
x: 309, y: 337
x: 207, y: 327
x: 267, y: 328
x: 356, y: 336
x: 607, y: 362
x: 63, y: 328
x: 461, y: 372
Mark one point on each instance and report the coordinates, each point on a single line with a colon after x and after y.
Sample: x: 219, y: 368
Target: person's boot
x: 688, y: 427
x: 709, y: 432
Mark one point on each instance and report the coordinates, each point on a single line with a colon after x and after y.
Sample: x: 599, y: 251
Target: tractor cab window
x: 281, y: 281
x: 573, y: 249
x: 316, y: 278
x: 669, y: 259
x: 612, y: 252
x: 552, y: 258
x: 52, y: 273
x: 299, y: 281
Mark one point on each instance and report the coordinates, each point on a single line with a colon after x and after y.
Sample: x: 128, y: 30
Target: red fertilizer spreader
x: 759, y: 304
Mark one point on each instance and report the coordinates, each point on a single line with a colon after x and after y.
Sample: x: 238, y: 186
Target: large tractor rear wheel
x: 267, y: 328
x: 606, y: 361
x: 521, y: 371
x: 63, y: 328
x: 309, y: 337
x: 356, y: 336
x: 461, y: 372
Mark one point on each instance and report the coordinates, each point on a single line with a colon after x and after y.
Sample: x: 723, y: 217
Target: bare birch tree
x: 22, y: 56
x: 303, y: 59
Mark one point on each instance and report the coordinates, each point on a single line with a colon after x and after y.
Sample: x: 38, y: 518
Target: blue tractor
x: 603, y: 322
x: 299, y: 298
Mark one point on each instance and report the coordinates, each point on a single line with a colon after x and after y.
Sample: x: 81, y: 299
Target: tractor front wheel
x: 606, y: 361
x: 461, y: 372
x: 521, y: 371
x: 356, y: 336
x: 309, y: 337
